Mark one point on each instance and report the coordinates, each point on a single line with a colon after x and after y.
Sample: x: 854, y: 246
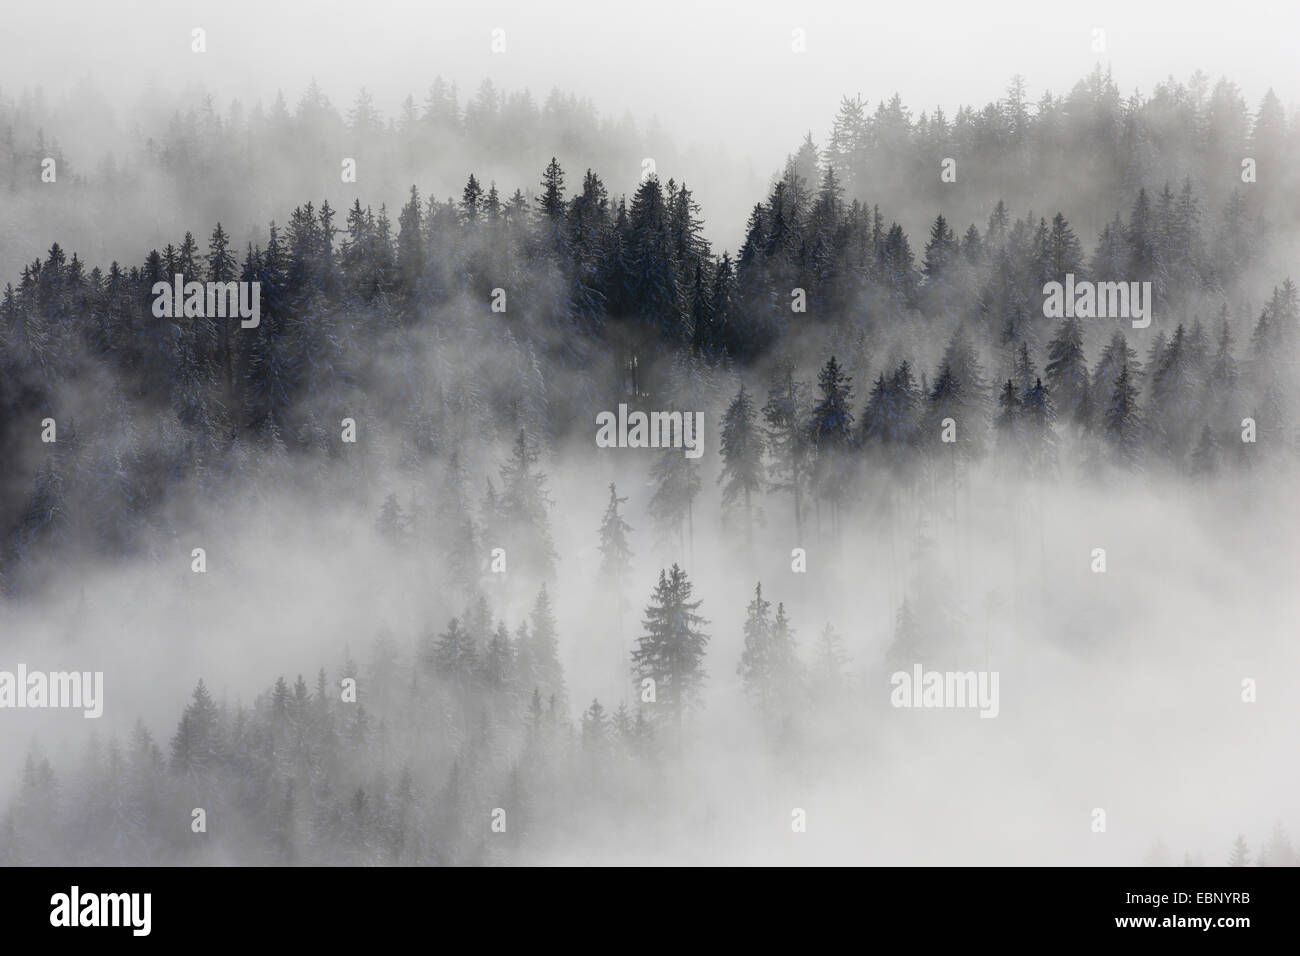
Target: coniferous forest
x: 367, y: 588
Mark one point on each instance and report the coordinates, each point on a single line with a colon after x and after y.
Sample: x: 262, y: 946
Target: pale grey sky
x: 714, y: 73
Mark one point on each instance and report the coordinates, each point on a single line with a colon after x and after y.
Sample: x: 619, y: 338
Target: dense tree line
x: 1276, y: 850
x: 846, y: 366
x: 410, y: 758
x: 185, y: 158
x: 456, y: 747
x: 1039, y: 150
x: 607, y: 301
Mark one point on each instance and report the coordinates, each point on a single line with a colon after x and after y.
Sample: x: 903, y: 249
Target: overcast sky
x: 714, y: 73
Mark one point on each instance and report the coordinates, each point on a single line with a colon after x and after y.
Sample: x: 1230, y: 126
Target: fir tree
x: 830, y: 435
x: 742, y: 458
x: 524, y: 506
x: 471, y: 201
x: 768, y: 662
x: 454, y: 655
x: 1067, y: 373
x: 392, y: 522
x: 196, y: 745
x: 1240, y: 853
x: 830, y: 664
x: 550, y: 203
x: 671, y: 651
x: 615, y: 553
x: 1121, y: 425
x: 1278, y: 850
x: 758, y: 638
x: 1010, y: 434
x: 945, y: 403
x: 1205, y: 457
x: 1038, y: 416
x: 653, y: 275
x: 787, y: 436
x: 498, y: 662
x: 677, y: 482
x: 544, y: 645
x: 595, y: 730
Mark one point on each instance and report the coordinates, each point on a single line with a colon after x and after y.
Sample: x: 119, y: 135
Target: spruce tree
x: 944, y: 402
x: 615, y: 553
x: 454, y: 656
x: 742, y: 458
x: 595, y: 730
x: 524, y: 506
x: 1116, y: 354
x: 1023, y: 371
x: 1038, y: 416
x: 724, y: 310
x: 550, y: 204
x: 656, y: 298
x: 677, y: 482
x: 1278, y: 851
x: 471, y: 201
x: 1240, y: 852
x: 768, y: 665
x: 1063, y: 253
x: 830, y: 436
x: 704, y: 338
x: 1205, y: 457
x: 753, y: 668
x: 787, y: 437
x: 547, y: 672
x: 961, y: 356
x: 1121, y: 425
x: 1067, y: 373
x: 1007, y: 427
x: 196, y: 747
x: 830, y: 664
x: 497, y: 663
x: 671, y: 651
